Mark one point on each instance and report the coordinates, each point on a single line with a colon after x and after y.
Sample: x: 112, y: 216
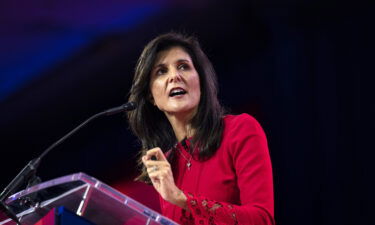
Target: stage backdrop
x: 301, y: 68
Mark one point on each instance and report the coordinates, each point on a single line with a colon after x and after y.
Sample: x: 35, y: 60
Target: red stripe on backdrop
x: 140, y: 192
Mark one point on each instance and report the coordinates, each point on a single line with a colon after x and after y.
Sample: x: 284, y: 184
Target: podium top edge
x: 80, y: 176
x: 92, y: 182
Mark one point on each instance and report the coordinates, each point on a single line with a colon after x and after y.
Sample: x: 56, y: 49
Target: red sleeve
x: 250, y: 157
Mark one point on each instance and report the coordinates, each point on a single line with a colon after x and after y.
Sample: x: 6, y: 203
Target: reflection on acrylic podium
x: 79, y: 199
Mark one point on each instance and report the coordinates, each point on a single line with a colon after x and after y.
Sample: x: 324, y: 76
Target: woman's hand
x: 161, y: 176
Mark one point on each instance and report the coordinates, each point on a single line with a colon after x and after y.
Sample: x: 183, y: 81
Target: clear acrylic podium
x: 85, y: 196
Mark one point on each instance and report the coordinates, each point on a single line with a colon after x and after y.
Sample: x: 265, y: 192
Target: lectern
x: 84, y: 196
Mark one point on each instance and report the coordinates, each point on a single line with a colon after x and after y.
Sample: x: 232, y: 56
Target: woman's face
x: 175, y: 85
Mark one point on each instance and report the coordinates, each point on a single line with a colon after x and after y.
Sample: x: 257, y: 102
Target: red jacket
x: 234, y: 186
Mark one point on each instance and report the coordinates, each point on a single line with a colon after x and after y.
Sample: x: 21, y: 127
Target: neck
x: 181, y: 126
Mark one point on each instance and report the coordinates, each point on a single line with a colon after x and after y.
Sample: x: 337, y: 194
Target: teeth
x: 177, y: 92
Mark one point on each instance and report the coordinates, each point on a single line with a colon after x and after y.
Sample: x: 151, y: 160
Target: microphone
x: 125, y: 107
x: 29, y: 171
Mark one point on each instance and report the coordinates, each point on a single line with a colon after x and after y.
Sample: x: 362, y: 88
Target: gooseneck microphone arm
x: 30, y: 169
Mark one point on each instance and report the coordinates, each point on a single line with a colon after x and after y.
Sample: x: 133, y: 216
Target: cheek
x: 197, y: 86
x: 156, y: 91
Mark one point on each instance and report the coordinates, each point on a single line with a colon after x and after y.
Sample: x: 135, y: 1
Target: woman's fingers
x: 155, y: 167
x: 152, y: 169
x: 155, y: 154
x: 160, y: 172
x: 152, y: 163
x: 149, y: 163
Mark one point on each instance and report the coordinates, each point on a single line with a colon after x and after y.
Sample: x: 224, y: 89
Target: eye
x: 161, y: 71
x: 183, y: 66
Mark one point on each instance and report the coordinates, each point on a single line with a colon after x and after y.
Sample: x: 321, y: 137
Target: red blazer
x: 234, y: 186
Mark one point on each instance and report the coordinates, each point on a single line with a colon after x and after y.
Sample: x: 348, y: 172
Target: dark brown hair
x: 150, y: 124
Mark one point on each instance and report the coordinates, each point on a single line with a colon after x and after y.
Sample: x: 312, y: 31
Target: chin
x: 180, y: 109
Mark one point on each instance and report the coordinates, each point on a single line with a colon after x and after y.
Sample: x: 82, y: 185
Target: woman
x: 208, y: 168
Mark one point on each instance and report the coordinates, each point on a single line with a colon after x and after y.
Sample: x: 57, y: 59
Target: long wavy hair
x: 151, y: 125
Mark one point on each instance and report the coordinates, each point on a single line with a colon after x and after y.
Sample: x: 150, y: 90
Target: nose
x: 174, y: 76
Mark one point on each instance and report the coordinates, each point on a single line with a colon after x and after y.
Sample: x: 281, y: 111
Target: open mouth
x: 177, y: 92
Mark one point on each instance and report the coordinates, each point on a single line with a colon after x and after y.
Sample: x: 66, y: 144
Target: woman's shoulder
x: 242, y: 121
x: 241, y: 130
x: 239, y: 119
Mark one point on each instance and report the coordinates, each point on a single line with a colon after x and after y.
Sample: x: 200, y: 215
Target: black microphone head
x: 124, y: 108
x: 130, y: 106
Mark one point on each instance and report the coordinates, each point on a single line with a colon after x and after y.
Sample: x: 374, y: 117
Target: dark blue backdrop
x: 301, y: 68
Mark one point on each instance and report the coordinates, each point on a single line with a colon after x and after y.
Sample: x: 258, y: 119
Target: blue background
x: 302, y: 68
